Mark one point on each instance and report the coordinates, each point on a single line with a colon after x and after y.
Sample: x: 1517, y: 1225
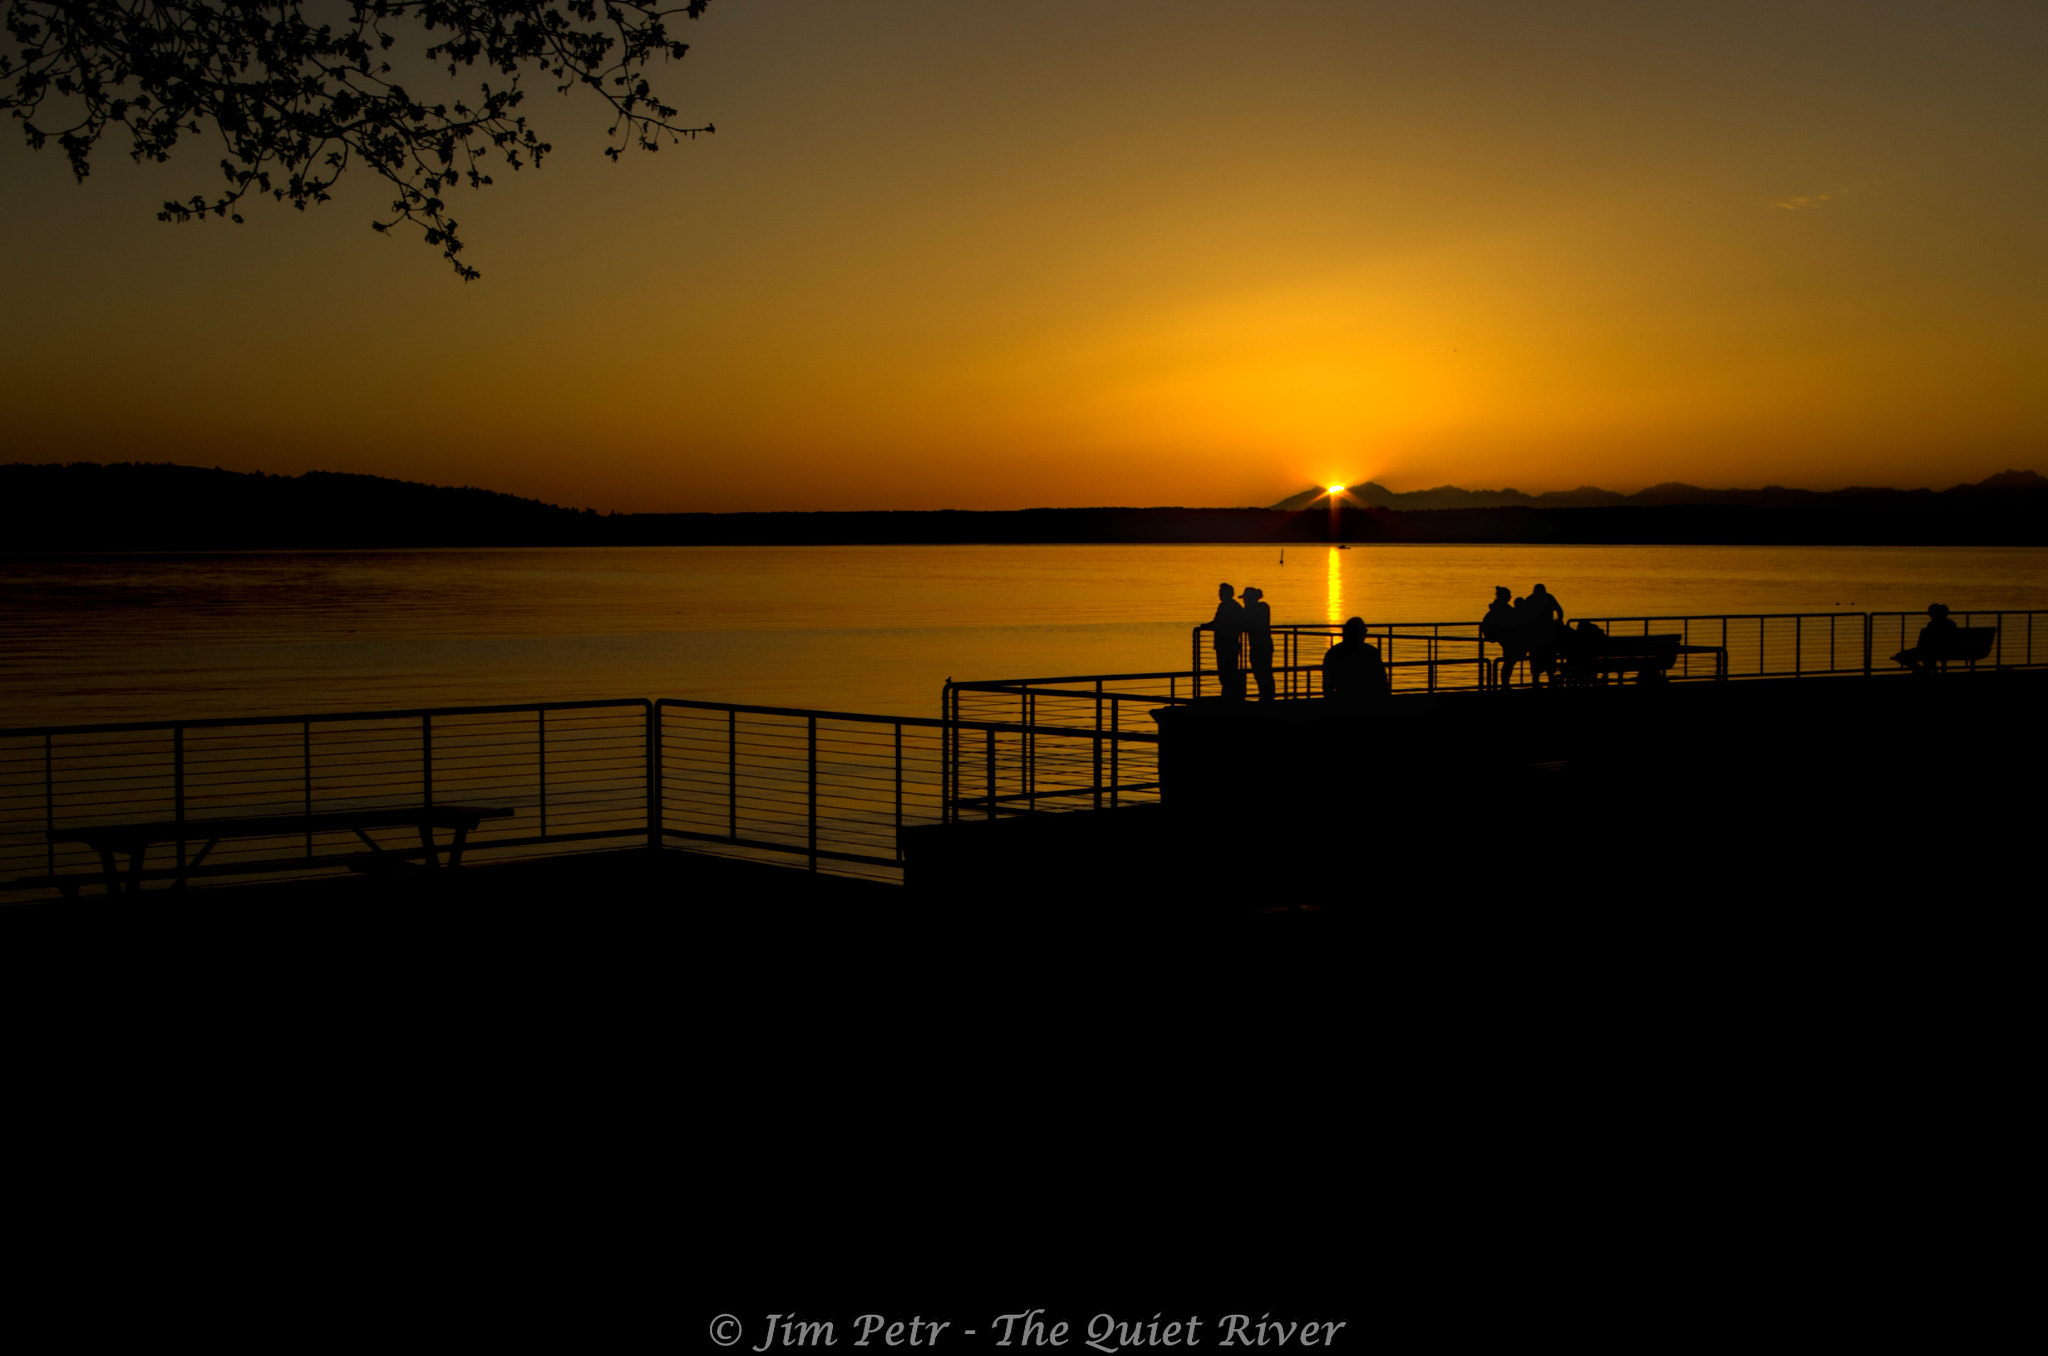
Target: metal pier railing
x: 1453, y: 656
x: 828, y: 790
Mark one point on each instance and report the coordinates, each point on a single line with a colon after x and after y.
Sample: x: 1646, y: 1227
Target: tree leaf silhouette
x: 307, y: 99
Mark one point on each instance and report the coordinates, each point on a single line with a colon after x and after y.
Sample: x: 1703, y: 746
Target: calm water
x: 138, y: 637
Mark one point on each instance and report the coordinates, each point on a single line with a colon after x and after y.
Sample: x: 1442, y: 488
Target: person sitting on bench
x: 1352, y: 671
x: 1937, y: 640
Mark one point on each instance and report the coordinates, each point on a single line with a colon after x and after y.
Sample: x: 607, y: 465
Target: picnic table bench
x: 1640, y: 655
x: 1585, y: 654
x: 108, y: 840
x: 1629, y: 654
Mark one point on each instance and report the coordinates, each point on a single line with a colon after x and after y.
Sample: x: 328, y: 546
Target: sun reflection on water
x: 1334, y: 609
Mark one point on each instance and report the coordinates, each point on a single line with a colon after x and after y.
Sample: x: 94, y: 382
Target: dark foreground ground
x: 1645, y: 1037
x: 1654, y: 804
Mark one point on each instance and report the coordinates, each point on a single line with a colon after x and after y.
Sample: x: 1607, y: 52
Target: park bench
x: 1964, y: 645
x: 109, y: 840
x: 1621, y: 655
x: 1585, y: 654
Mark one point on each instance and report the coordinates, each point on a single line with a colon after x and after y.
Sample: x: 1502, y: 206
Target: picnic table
x: 1640, y: 655
x: 109, y: 840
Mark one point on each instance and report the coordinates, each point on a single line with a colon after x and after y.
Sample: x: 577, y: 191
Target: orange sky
x: 996, y: 256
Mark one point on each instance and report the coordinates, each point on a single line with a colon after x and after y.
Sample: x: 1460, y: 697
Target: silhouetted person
x: 1548, y: 614
x: 1579, y: 645
x: 1258, y: 629
x: 1352, y: 671
x: 1228, y: 626
x: 1524, y: 631
x: 1937, y: 641
x: 1500, y: 614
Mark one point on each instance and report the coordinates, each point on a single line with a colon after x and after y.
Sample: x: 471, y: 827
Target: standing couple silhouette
x: 1234, y: 623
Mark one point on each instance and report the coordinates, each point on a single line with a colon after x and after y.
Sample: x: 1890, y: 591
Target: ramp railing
x: 833, y: 789
x: 828, y: 790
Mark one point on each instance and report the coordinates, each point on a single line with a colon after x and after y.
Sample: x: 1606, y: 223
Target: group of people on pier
x: 1525, y: 629
x: 1352, y: 669
x: 1505, y: 612
x: 1528, y: 629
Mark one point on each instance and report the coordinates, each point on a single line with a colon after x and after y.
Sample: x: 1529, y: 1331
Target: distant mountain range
x: 85, y: 506
x: 1375, y: 495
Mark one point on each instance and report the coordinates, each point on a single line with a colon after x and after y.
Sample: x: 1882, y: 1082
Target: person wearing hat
x: 1258, y: 627
x: 1224, y: 631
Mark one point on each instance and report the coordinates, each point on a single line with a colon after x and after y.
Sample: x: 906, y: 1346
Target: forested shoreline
x: 142, y: 507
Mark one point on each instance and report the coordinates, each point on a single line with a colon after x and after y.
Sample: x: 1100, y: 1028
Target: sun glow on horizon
x: 1481, y: 245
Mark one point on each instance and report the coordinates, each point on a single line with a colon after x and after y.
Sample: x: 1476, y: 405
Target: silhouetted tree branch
x: 299, y: 91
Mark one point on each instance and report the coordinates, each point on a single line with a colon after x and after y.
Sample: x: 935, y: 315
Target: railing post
x: 1028, y: 703
x: 1195, y: 666
x: 178, y: 796
x: 1115, y: 713
x: 949, y: 752
x: 49, y: 805
x: 654, y: 824
x: 812, y: 761
x: 306, y: 767
x: 1098, y: 743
